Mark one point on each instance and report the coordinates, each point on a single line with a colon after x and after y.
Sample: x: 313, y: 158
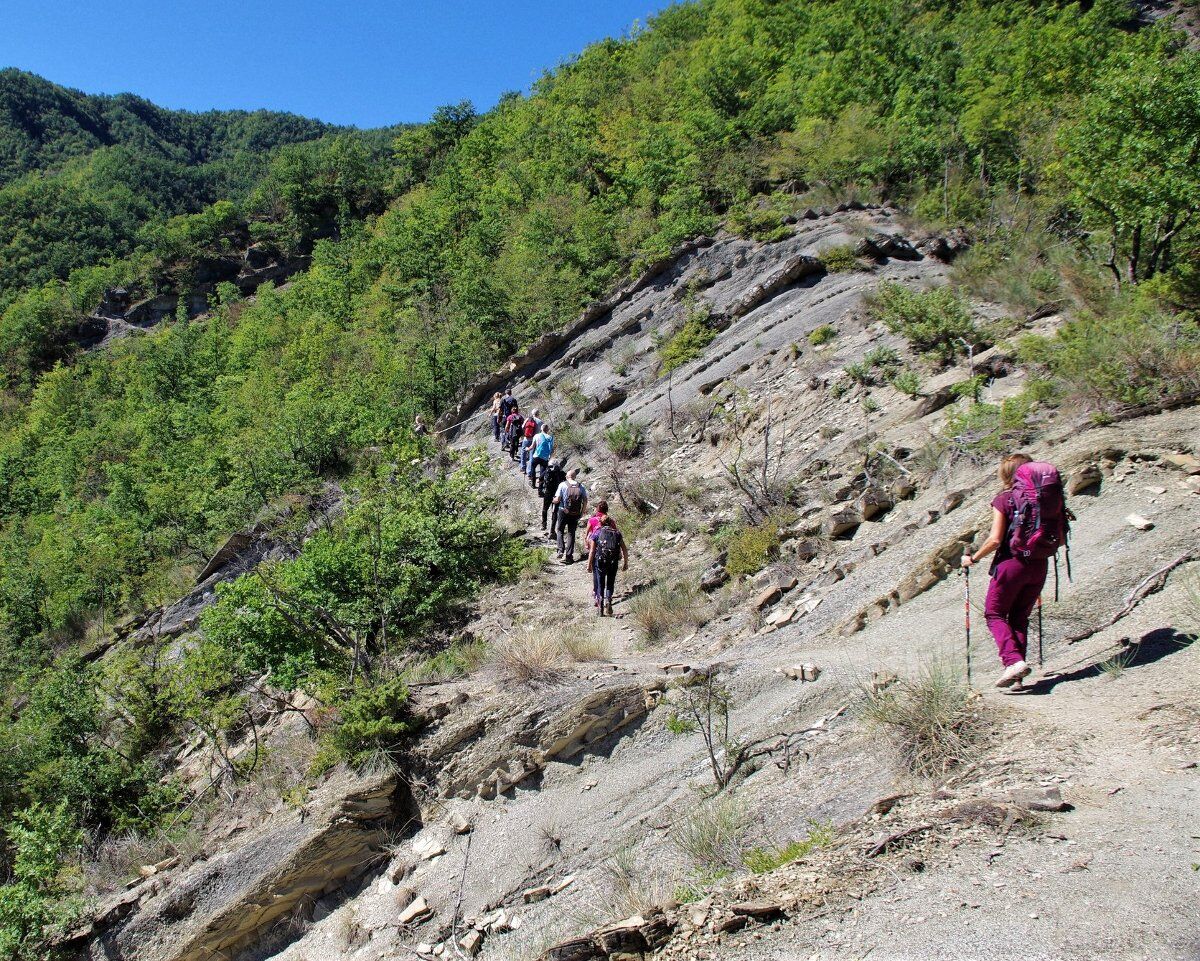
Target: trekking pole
x: 1039, y: 610
x: 967, y: 616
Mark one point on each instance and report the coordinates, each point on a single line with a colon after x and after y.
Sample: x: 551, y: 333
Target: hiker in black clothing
x: 571, y: 498
x: 551, y: 479
x: 605, y: 550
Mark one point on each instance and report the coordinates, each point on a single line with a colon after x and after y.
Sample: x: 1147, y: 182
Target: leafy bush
x: 625, y: 438
x: 934, y: 718
x: 821, y: 335
x: 884, y: 358
x: 935, y: 321
x: 34, y: 903
x: 839, y: 259
x: 982, y: 430
x: 685, y: 345
x: 1139, y: 355
x: 750, y: 546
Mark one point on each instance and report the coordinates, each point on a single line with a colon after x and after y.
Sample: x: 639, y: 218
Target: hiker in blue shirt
x: 571, y: 499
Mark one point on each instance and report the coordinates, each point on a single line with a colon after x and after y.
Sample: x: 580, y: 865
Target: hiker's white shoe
x: 1013, y: 673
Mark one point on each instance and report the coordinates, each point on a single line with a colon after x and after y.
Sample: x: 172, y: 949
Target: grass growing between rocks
x: 762, y: 860
x: 934, y: 719
x: 666, y: 610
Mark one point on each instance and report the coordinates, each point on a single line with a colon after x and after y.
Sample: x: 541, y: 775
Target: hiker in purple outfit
x: 1017, y: 576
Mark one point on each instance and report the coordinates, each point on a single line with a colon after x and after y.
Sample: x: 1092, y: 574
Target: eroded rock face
x: 222, y: 905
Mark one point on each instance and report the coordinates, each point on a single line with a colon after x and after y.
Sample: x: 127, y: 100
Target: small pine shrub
x: 884, y: 358
x: 839, y: 259
x: 935, y: 321
x: 860, y: 373
x: 625, y: 438
x: 685, y: 345
x: 870, y: 405
x: 822, y: 335
x: 907, y: 382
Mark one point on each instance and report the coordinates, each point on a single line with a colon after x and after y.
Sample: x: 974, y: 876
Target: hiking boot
x: 608, y: 606
x: 1013, y: 673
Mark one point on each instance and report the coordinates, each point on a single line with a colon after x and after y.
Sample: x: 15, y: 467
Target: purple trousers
x: 1013, y: 592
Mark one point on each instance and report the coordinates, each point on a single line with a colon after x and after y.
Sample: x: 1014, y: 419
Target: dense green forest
x: 1063, y: 136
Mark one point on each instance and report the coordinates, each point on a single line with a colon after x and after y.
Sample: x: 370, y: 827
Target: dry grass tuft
x: 666, y: 610
x: 935, y: 719
x: 585, y: 646
x: 531, y: 658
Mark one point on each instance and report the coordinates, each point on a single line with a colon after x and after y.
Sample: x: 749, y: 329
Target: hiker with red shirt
x: 605, y: 552
x: 1029, y: 524
x: 593, y: 525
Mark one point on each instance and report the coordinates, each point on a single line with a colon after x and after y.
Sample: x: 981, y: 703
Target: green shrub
x: 870, y: 405
x: 625, y: 438
x: 374, y: 720
x: 935, y: 321
x: 982, y: 430
x: 1140, y: 354
x: 839, y: 259
x: 685, y: 345
x: 762, y: 223
x: 821, y: 335
x: 750, y: 547
x: 35, y: 902
x: 885, y: 358
x: 860, y: 373
x: 908, y: 382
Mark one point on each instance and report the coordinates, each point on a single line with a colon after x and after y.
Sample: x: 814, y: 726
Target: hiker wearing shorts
x: 605, y: 551
x: 497, y: 399
x: 1017, y: 581
x: 571, y: 499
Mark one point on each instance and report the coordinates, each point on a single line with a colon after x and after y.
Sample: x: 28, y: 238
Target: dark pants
x: 1012, y: 594
x: 549, y: 507
x: 566, y: 535
x: 606, y: 580
x: 534, y: 474
x: 496, y: 427
x: 514, y: 441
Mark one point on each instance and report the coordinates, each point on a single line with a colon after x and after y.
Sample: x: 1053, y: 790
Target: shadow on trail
x: 1151, y: 647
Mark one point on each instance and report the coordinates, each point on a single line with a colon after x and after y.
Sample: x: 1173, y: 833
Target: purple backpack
x: 1041, y: 522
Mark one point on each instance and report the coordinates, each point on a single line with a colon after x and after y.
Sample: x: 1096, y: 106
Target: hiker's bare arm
x: 624, y: 557
x: 591, y: 552
x: 994, y: 539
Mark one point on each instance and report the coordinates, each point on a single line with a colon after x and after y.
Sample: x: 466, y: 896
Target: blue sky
x: 369, y: 63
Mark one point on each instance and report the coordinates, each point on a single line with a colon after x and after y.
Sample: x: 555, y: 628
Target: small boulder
x: 471, y: 942
x: 1138, y: 521
x: 953, y: 500
x: 1181, y: 462
x: 768, y: 597
x: 417, y: 910
x: 1039, y: 799
x: 842, y: 521
x: 533, y: 895
x: 1086, y: 480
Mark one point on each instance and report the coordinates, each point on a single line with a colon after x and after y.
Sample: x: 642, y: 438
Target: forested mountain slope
x: 1038, y: 158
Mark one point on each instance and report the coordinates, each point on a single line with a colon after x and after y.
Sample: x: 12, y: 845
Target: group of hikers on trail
x: 530, y: 445
x: 1030, y: 523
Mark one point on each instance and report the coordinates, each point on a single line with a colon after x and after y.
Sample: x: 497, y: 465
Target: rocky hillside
x: 795, y: 509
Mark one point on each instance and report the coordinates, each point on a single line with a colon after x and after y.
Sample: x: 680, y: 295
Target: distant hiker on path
x: 542, y: 448
x: 420, y: 428
x: 551, y: 481
x: 604, y: 551
x: 497, y: 402
x: 571, y: 499
x: 512, y: 432
x: 1030, y: 522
